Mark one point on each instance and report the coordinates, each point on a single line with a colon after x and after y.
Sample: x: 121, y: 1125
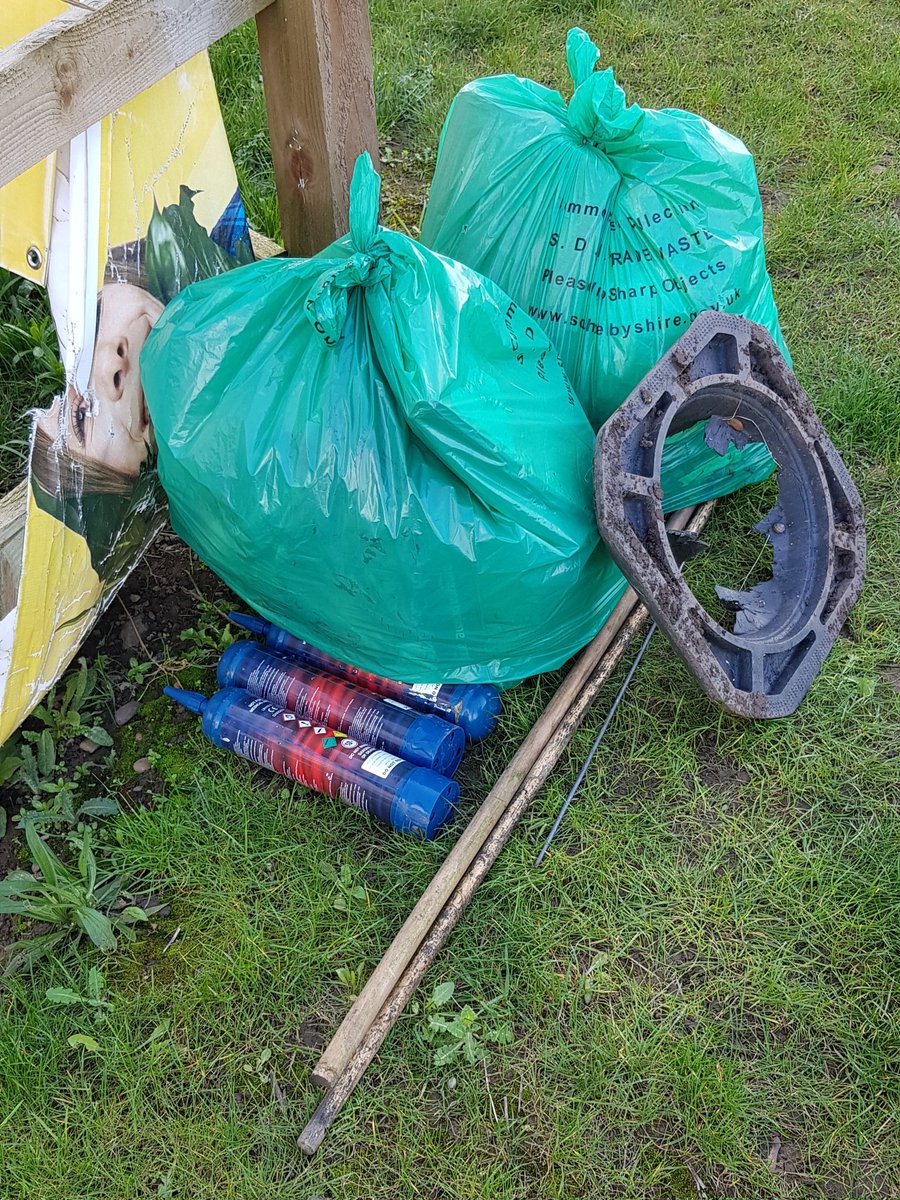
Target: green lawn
x: 700, y: 984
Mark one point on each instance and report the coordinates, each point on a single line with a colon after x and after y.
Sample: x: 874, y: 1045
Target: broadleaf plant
x: 77, y: 899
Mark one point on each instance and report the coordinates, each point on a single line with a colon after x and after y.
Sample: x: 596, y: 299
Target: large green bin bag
x: 379, y: 451
x: 612, y: 225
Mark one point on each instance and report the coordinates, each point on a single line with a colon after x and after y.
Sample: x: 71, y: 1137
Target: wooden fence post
x: 317, y: 74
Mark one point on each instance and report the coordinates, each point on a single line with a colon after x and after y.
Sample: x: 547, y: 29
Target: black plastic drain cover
x: 729, y: 371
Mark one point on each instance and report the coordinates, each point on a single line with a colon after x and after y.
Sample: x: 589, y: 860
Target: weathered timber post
x: 316, y: 60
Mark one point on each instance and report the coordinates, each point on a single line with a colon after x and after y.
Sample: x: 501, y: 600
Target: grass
x: 700, y: 982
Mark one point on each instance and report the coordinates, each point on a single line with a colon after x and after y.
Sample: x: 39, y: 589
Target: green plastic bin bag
x: 612, y: 225
x: 379, y: 451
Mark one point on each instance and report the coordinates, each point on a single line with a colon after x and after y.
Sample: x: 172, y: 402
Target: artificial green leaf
x: 84, y: 1040
x: 179, y: 251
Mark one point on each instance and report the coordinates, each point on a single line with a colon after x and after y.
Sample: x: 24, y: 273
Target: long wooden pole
x: 383, y: 979
x: 575, y: 694
x: 311, y: 1137
x: 370, y: 1039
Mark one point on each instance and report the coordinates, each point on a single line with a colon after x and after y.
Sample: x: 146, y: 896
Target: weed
x: 139, y: 672
x: 348, y: 891
x: 259, y: 1067
x: 65, y: 722
x: 91, y: 998
x: 69, y: 711
x: 593, y: 980
x: 461, y: 1036
x: 33, y: 761
x: 352, y: 978
x: 72, y: 900
x: 212, y: 635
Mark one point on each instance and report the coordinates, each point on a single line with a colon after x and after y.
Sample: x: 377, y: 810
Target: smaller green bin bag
x: 612, y: 225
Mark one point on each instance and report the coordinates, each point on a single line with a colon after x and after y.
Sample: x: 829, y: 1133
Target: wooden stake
x: 311, y: 1137
x: 383, y: 979
x: 591, y: 670
x: 316, y: 58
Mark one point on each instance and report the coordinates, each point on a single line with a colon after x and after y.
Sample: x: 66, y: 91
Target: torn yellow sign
x: 114, y: 224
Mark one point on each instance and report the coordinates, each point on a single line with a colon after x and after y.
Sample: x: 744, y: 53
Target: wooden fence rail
x: 317, y: 74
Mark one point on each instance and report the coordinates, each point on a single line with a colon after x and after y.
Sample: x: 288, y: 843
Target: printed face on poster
x: 114, y: 225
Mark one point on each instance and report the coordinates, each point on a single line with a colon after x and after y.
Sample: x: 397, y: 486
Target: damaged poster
x: 114, y: 225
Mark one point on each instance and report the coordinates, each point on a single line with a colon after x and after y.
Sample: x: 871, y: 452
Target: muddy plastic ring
x: 728, y: 371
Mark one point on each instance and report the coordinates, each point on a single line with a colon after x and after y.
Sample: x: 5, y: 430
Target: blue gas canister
x: 411, y: 799
x: 475, y: 707
x: 421, y: 738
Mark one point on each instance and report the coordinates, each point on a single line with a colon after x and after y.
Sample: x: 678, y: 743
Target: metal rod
x: 593, y: 750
